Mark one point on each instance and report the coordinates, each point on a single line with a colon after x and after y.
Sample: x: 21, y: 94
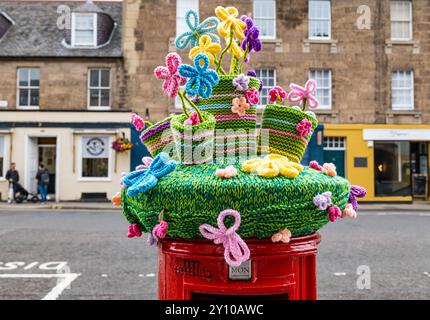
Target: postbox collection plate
x: 242, y: 272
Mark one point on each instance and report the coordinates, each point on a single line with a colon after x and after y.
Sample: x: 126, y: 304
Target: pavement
x: 83, y: 254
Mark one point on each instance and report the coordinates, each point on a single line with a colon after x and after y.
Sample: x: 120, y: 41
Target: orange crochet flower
x: 116, y: 199
x: 284, y: 236
x: 329, y: 169
x: 349, y: 212
x: 240, y: 106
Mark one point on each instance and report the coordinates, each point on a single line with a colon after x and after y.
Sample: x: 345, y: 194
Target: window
x: 402, y: 90
x: 323, y: 93
x: 319, y: 19
x: 401, y: 20
x: 182, y: 6
x: 334, y: 143
x: 84, y: 26
x: 28, y: 87
x: 265, y: 17
x: 99, y: 87
x: 268, y: 76
x: 95, y: 157
x: 2, y: 156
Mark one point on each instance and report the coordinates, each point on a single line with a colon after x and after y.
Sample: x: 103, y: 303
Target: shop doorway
x: 334, y: 152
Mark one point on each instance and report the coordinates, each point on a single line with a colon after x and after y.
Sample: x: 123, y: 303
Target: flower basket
x: 121, y: 145
x: 158, y: 138
x: 194, y: 144
x: 280, y: 127
x: 234, y: 134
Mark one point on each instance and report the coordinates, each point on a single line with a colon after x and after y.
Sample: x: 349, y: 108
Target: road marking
x: 104, y: 275
x: 141, y: 275
x: 337, y: 274
x: 57, y: 290
x: 427, y: 274
x: 150, y: 275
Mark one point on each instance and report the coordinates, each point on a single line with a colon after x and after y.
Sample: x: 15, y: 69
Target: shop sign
x: 396, y: 134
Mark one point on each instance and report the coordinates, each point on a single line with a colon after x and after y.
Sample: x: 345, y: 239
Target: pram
x: 21, y: 195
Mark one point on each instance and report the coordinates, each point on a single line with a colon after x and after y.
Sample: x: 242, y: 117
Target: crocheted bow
x: 191, y: 38
x: 356, y: 192
x: 299, y: 93
x: 235, y: 249
x: 143, y: 180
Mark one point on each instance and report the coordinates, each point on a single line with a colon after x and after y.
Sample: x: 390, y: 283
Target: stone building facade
x: 371, y: 57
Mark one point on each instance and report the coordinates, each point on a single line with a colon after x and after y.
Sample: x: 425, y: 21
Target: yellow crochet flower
x: 235, y: 49
x: 271, y: 166
x: 229, y: 21
x: 207, y: 47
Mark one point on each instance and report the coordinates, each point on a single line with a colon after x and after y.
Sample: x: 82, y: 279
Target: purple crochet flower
x: 152, y: 240
x: 241, y: 82
x: 252, y: 73
x: 323, y: 201
x: 251, y: 40
x: 356, y: 192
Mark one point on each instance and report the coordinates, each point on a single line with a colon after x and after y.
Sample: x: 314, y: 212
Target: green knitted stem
x: 193, y: 195
x: 285, y: 119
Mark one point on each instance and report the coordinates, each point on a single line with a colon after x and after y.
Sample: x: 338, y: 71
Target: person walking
x: 42, y: 178
x: 12, y: 176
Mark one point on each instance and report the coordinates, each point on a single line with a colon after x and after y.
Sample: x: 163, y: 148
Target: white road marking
x: 150, y: 275
x: 141, y: 275
x: 427, y: 274
x: 104, y: 275
x: 57, y: 290
x: 337, y: 274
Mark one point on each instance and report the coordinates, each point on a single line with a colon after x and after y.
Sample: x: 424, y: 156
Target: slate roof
x: 35, y: 33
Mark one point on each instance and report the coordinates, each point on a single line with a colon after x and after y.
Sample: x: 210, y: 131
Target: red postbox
x: 195, y: 269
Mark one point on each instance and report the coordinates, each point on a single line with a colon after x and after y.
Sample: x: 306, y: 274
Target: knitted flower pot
x: 234, y: 134
x: 288, y: 131
x: 194, y: 144
x: 158, y: 138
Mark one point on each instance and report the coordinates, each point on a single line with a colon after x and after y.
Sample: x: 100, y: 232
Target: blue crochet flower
x: 197, y: 30
x: 143, y: 180
x: 201, y: 80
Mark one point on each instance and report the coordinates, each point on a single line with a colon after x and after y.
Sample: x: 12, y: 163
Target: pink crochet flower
x: 240, y: 106
x: 315, y: 165
x: 226, y: 173
x: 304, y: 127
x: 252, y: 96
x: 349, y: 212
x: 172, y: 79
x: 284, y: 236
x: 146, y: 161
x: 329, y: 169
x: 138, y: 122
x: 160, y: 230
x: 334, y: 213
x: 277, y: 94
x: 193, y: 119
x: 306, y: 94
x: 134, y: 231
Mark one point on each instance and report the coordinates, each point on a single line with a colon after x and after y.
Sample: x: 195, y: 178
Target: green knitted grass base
x: 193, y: 195
x: 279, y: 123
x: 158, y: 138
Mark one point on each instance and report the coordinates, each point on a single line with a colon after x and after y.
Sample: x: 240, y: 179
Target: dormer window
x: 84, y: 30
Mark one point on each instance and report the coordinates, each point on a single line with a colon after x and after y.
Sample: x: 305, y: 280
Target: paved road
x: 108, y: 265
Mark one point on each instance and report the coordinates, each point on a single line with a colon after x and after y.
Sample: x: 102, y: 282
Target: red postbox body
x: 195, y: 269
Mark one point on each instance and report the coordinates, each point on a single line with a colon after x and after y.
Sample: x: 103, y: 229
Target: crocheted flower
x: 271, y: 166
x: 228, y: 172
x: 349, y: 212
x: 172, y: 79
x: 239, y: 106
x: 193, y: 119
x: 134, y: 231
x: 116, y: 199
x: 121, y: 180
x: 356, y: 192
x: 277, y: 95
x: 315, y: 165
x: 304, y: 127
x: 146, y: 161
x: 160, y: 230
x: 334, y: 213
x: 191, y: 38
x: 241, y: 82
x: 323, y: 201
x: 329, y: 169
x: 306, y: 94
x: 152, y: 241
x: 252, y: 96
x: 252, y: 73
x: 207, y: 47
x: 251, y: 40
x: 235, y: 50
x: 138, y: 122
x: 201, y: 80
x: 282, y: 236
x: 229, y: 21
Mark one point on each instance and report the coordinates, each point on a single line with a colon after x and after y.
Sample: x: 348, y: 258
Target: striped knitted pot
x: 158, y: 138
x: 279, y: 127
x: 194, y: 144
x: 234, y: 134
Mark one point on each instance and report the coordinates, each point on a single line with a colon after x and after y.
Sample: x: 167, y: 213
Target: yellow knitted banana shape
x: 271, y: 166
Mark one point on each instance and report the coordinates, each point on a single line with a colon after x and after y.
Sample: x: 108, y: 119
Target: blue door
x: 337, y: 157
x: 138, y: 151
x: 315, y: 149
